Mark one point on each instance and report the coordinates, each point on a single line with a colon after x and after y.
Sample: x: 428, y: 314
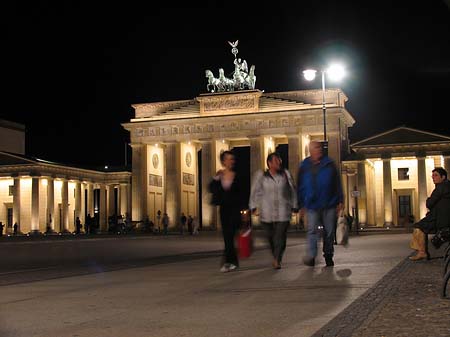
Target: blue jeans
x: 327, y: 218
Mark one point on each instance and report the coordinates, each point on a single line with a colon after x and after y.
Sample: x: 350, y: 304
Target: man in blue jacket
x: 320, y: 199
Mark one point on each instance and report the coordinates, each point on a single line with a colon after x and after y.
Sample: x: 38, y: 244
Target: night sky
x: 72, y: 69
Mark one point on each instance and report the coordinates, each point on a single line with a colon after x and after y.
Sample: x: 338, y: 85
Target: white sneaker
x: 231, y: 267
x: 225, y: 268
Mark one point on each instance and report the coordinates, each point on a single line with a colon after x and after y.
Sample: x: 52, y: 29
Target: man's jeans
x: 327, y: 218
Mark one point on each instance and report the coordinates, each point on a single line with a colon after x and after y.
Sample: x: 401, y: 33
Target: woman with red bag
x: 226, y: 194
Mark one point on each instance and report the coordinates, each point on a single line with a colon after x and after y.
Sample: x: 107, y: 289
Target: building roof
x: 401, y: 136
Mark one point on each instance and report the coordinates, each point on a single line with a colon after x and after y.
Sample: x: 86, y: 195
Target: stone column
x: 422, y: 186
x: 294, y: 145
x: 16, y: 202
x: 34, y: 205
x: 137, y: 199
x: 78, y: 199
x: 362, y: 199
x: 83, y: 203
x: 387, y: 188
x: 50, y: 205
x: 447, y: 164
x: 256, y: 155
x: 103, y: 211
x: 208, y: 163
x: 123, y: 199
x: 111, y: 200
x: 90, y: 201
x: 65, y: 206
x: 172, y: 182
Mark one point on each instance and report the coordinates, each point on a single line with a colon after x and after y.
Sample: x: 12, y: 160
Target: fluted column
x: 422, y: 188
x: 50, y: 204
x: 172, y: 182
x: 447, y: 164
x: 136, y: 189
x: 387, y: 184
x: 65, y: 205
x: 256, y: 155
x: 123, y: 199
x: 294, y: 145
x: 78, y: 199
x: 208, y: 163
x: 35, y: 205
x: 103, y: 212
x: 362, y: 199
x: 16, y: 202
x: 90, y: 201
x: 111, y: 200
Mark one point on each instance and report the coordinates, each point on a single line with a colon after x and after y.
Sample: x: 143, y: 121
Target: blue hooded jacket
x: 319, y: 186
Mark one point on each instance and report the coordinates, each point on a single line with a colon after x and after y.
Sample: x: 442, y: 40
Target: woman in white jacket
x: 273, y: 195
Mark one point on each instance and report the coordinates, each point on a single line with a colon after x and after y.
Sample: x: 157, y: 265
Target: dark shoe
x: 329, y: 261
x: 309, y: 261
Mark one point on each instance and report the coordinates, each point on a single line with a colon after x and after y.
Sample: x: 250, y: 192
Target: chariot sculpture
x: 241, y: 79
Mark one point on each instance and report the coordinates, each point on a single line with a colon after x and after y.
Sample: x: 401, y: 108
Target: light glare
x: 309, y: 74
x: 336, y: 72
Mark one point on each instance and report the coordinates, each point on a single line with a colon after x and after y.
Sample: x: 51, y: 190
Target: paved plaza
x: 171, y: 286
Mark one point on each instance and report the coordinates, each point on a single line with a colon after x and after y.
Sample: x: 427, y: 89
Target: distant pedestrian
x: 78, y: 226
x: 320, y: 196
x: 273, y: 195
x: 165, y: 223
x: 190, y: 224
x: 15, y: 228
x: 1, y: 228
x: 87, y: 224
x: 183, y: 220
x: 195, y: 224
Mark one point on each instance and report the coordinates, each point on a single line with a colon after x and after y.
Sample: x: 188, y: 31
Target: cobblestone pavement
x: 406, y: 302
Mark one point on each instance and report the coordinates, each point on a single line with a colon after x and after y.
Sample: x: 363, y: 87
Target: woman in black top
x: 226, y: 193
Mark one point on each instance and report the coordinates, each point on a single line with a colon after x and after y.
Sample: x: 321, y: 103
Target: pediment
x: 8, y: 158
x: 401, y: 136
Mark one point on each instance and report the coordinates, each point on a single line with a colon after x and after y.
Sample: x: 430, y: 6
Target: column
x: 387, y: 189
x: 256, y: 155
x: 111, y: 200
x: 34, y: 205
x: 50, y: 205
x: 294, y: 147
x: 90, y: 201
x: 65, y: 206
x: 422, y: 186
x: 83, y: 203
x: 362, y: 199
x: 136, y: 180
x: 208, y: 163
x: 103, y: 211
x: 16, y: 202
x: 123, y: 199
x: 78, y: 199
x: 172, y: 182
x: 447, y: 164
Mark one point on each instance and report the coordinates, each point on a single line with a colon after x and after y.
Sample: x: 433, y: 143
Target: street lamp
x: 335, y: 72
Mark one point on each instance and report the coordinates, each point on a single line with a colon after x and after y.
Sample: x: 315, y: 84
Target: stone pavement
x: 406, y: 302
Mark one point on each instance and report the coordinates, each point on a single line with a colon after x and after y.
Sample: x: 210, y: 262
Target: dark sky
x: 72, y: 69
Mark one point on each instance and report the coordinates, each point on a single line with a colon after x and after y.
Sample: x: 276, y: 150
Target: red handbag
x: 245, y: 243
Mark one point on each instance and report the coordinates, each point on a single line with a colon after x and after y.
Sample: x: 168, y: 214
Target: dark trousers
x: 276, y: 235
x: 230, y: 219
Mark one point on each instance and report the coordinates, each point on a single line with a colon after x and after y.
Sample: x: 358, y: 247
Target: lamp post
x: 335, y: 72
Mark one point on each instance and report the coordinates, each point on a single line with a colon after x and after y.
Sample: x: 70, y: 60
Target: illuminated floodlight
x: 336, y: 72
x: 309, y: 74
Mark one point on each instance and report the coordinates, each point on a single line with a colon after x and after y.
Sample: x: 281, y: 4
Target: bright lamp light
x: 336, y: 72
x: 309, y: 74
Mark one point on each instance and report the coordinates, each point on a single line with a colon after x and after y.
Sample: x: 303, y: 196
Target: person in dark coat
x: 437, y: 218
x: 226, y: 193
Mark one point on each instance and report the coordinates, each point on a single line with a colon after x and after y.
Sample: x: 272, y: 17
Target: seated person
x: 438, y: 216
